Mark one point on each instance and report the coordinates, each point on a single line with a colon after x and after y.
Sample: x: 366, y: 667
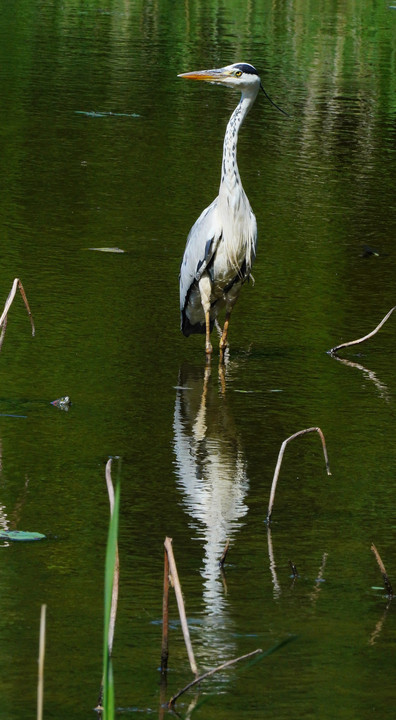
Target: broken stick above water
x: 335, y: 349
x: 180, y: 603
x: 280, y: 458
x: 3, y: 319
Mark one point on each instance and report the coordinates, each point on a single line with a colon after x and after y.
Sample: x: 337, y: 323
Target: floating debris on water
x: 63, y: 403
x: 108, y: 249
x: 95, y: 113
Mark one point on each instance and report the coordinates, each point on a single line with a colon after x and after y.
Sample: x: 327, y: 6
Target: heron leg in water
x: 205, y: 288
x: 223, y: 339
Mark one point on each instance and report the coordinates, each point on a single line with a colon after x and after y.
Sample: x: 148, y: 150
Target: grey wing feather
x: 201, y: 245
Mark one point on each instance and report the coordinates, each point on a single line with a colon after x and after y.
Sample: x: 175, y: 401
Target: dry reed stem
x: 280, y: 458
x: 109, y: 483
x: 366, y: 337
x: 209, y: 673
x: 3, y: 319
x: 165, y: 615
x: 3, y: 329
x: 116, y: 576
x: 180, y: 604
x: 40, y: 685
x: 384, y: 574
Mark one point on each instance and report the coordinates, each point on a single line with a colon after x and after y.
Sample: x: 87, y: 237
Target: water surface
x: 102, y: 146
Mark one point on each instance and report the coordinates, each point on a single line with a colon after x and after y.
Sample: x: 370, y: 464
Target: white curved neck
x: 230, y: 177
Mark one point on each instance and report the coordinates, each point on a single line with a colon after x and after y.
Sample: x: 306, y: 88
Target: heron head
x: 241, y: 76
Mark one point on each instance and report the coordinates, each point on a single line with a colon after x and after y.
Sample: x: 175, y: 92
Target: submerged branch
x: 258, y: 654
x: 366, y: 337
x: 211, y: 672
x: 280, y: 458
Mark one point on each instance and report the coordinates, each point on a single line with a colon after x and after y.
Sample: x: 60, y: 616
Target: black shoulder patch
x: 246, y: 68
x: 207, y: 248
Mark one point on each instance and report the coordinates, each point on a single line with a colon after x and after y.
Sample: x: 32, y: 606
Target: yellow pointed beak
x: 206, y: 75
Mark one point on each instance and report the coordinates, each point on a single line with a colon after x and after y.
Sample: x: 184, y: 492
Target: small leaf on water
x: 20, y: 535
x: 108, y: 249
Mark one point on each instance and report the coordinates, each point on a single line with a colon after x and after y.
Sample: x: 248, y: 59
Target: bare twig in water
x: 3, y: 329
x: 165, y: 615
x: 180, y: 604
x: 384, y: 574
x: 40, y: 685
x: 3, y: 319
x: 280, y: 458
x: 260, y: 654
x: 366, y: 337
x: 224, y: 555
x: 211, y: 672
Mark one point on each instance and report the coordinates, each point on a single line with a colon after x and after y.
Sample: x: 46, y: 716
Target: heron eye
x: 238, y: 73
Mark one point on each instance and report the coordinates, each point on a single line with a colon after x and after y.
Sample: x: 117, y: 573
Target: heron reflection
x: 212, y: 477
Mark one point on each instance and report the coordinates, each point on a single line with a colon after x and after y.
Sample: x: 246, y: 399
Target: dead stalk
x: 211, y: 672
x: 366, y: 337
x: 180, y: 604
x: 280, y: 458
x: 165, y: 615
x: 40, y: 685
x: 116, y: 576
x: 384, y: 574
x: 3, y: 319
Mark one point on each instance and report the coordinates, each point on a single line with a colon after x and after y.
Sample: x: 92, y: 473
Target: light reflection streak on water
x: 212, y: 477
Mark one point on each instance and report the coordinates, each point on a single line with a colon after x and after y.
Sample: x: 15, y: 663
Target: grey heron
x: 221, y: 245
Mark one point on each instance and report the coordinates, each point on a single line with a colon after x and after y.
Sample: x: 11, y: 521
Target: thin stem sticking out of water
x: 116, y: 576
x: 335, y: 349
x: 384, y: 574
x: 180, y: 604
x: 280, y: 458
x: 3, y: 319
x: 165, y: 616
x: 40, y: 685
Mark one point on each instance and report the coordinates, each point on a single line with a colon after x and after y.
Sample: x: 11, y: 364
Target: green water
x: 102, y: 146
